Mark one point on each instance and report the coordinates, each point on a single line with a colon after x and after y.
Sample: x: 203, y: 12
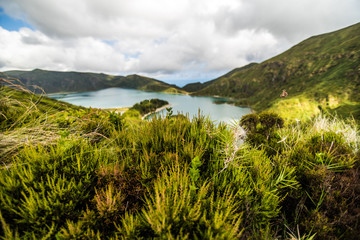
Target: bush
x: 250, y: 122
x: 329, y: 142
x: 261, y: 130
x: 128, y: 182
x: 327, y: 169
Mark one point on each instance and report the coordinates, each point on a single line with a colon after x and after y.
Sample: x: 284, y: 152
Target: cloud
x: 28, y: 49
x: 160, y: 38
x: 290, y: 19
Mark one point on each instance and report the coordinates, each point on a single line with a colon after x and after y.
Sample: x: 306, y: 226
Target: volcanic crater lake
x: 120, y: 97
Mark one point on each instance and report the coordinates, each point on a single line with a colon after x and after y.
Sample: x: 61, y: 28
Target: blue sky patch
x: 11, y: 24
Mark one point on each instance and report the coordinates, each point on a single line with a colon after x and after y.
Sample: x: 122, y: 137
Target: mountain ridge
x: 320, y: 73
x: 72, y: 81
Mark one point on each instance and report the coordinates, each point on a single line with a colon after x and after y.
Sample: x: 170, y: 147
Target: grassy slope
x: 16, y: 103
x: 194, y: 87
x: 52, y: 81
x: 145, y: 84
x: 321, y: 71
x: 89, y: 174
x: 24, y: 118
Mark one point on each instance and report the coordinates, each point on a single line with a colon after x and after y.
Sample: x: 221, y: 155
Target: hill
x: 320, y: 73
x: 54, y: 81
x: 81, y: 173
x: 194, y: 87
x: 21, y: 109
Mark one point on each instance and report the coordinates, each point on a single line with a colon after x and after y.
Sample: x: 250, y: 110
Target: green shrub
x: 195, y: 172
x: 77, y: 230
x: 270, y: 121
x: 261, y: 130
x: 329, y: 142
x: 148, y: 106
x: 116, y: 120
x: 323, y: 160
x: 47, y: 186
x: 173, y: 211
x: 128, y: 182
x: 249, y: 122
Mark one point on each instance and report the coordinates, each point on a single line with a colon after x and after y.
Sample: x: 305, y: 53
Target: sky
x: 176, y: 41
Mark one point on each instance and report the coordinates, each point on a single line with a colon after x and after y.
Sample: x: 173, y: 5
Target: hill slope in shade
x: 53, y: 81
x: 320, y: 73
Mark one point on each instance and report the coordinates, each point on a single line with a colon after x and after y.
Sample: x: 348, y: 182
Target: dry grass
x: 346, y: 128
x: 13, y: 141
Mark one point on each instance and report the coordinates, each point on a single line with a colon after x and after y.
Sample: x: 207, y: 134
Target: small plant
x: 116, y: 120
x: 64, y: 133
x: 250, y: 122
x: 113, y: 180
x: 109, y: 203
x: 269, y: 122
x: 169, y: 112
x: 194, y: 172
x: 261, y: 130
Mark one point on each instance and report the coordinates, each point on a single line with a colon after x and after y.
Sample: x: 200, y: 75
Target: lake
x: 120, y: 97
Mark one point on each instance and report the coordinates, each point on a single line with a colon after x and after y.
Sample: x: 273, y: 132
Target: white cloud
x: 293, y: 19
x: 28, y: 49
x: 161, y: 38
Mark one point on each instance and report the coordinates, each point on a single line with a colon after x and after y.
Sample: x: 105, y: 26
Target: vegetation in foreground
x: 93, y: 174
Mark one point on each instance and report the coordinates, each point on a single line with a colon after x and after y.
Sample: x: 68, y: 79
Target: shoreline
x: 156, y: 110
x: 117, y: 109
x: 59, y: 93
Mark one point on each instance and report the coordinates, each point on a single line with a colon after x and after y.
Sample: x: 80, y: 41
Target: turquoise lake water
x: 120, y: 97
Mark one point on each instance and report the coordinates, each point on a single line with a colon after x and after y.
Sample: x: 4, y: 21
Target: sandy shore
x: 59, y: 93
x: 157, y: 110
x: 124, y: 109
x: 118, y: 110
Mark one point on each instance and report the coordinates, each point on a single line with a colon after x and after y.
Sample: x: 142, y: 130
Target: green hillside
x: 81, y: 173
x: 27, y: 118
x: 53, y: 81
x: 197, y: 86
x: 322, y: 72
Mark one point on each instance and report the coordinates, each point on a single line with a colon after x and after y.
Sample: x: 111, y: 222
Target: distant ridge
x: 55, y: 81
x: 320, y: 73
